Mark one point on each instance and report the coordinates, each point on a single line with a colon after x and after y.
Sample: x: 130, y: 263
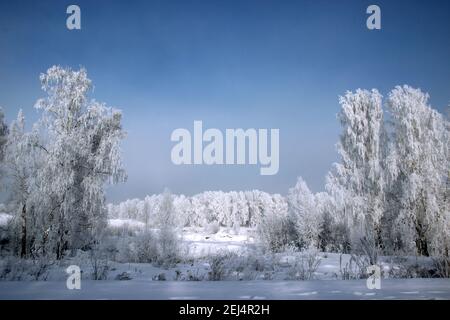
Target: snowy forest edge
x: 385, y: 201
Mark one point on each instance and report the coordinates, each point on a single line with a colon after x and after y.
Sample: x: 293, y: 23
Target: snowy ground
x: 189, y: 279
x: 202, y: 244
x: 229, y: 290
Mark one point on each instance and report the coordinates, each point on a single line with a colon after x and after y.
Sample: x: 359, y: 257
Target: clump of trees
x: 227, y: 209
x: 56, y: 172
x: 390, y: 190
x: 389, y: 193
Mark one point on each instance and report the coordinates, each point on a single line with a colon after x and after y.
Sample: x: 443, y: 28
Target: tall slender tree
x: 419, y: 168
x: 359, y: 174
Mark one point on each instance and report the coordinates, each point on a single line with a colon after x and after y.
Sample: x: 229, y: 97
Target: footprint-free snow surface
x: 318, y: 289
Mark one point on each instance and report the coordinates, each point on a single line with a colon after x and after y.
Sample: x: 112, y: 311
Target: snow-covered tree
x: 324, y: 203
x: 168, y: 241
x: 82, y: 146
x: 359, y: 175
x: 22, y: 162
x: 275, y: 229
x: 3, y: 134
x: 228, y: 209
x: 305, y: 213
x: 3, y: 139
x: 338, y: 209
x: 446, y: 202
x: 166, y: 213
x: 418, y: 167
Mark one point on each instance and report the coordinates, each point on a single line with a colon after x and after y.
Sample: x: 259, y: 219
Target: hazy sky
x: 232, y: 64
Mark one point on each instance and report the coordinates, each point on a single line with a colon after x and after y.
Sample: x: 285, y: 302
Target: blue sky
x: 231, y: 64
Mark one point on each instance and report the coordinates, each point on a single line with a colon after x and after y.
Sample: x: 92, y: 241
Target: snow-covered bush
x: 251, y: 265
x: 169, y: 248
x: 16, y: 269
x: 355, y: 267
x: 411, y: 271
x: 159, y: 247
x: 442, y: 266
x: 351, y: 269
x: 368, y: 248
x: 98, y: 259
x: 144, y: 247
x: 304, y: 265
x: 227, y: 265
x: 194, y: 275
x: 276, y: 232
x: 219, y: 265
x: 124, y: 276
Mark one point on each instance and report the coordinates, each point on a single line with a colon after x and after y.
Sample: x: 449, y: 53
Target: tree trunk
x: 23, y: 239
x: 421, y: 241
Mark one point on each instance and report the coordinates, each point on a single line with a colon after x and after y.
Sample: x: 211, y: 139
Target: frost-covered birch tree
x: 168, y: 241
x: 419, y: 165
x: 359, y: 174
x: 82, y: 145
x: 305, y: 213
x: 22, y: 162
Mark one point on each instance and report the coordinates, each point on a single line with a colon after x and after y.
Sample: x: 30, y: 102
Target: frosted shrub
x: 355, y: 268
x: 245, y: 266
x: 251, y: 265
x: 124, y: 250
x: 256, y: 261
x: 304, y: 265
x: 369, y: 249
x: 168, y: 248
x: 17, y: 269
x: 366, y: 254
x: 145, y: 248
x: 340, y: 239
x: 442, y: 266
x: 161, y: 247
x: 219, y: 265
x: 276, y: 232
x: 98, y: 259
